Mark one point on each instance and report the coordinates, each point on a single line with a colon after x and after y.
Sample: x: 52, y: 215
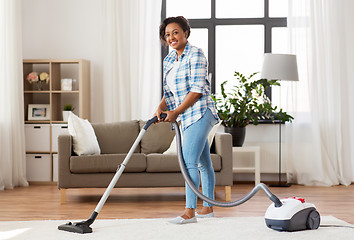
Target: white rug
x: 213, y: 228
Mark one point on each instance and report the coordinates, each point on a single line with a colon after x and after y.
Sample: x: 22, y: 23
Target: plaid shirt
x: 191, y: 76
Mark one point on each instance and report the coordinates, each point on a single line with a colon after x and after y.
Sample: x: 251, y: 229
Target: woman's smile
x: 173, y: 43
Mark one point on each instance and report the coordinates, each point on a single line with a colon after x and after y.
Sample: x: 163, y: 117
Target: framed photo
x: 66, y: 84
x: 38, y: 112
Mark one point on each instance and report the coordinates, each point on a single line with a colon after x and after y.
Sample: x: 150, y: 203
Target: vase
x: 39, y: 86
x: 238, y: 135
x: 66, y: 115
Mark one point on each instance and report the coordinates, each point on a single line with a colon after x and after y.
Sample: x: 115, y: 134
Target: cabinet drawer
x: 38, y: 167
x: 57, y: 129
x: 37, y: 137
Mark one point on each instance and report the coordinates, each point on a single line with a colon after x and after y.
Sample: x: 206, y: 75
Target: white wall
x: 67, y: 29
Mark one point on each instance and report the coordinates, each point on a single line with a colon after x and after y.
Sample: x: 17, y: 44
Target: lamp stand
x: 279, y: 184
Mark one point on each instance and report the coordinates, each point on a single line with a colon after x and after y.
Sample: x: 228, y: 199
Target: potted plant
x: 67, y: 109
x: 246, y: 103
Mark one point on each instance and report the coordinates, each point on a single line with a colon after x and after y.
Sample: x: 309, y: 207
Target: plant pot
x: 238, y: 135
x: 66, y: 115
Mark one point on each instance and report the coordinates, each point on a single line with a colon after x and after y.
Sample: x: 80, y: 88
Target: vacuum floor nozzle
x: 78, y: 227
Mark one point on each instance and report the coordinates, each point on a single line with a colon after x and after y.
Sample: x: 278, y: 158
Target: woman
x: 187, y: 99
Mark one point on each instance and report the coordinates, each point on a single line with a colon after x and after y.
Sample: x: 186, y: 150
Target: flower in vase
x: 44, y: 77
x: 38, y: 80
x: 32, y: 77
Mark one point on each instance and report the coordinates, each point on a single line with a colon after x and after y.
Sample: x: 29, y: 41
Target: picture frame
x: 66, y: 84
x: 38, y: 112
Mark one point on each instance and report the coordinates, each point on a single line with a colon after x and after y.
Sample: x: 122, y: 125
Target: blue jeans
x: 196, y: 151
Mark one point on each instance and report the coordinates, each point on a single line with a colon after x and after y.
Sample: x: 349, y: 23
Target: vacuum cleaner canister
x: 294, y: 215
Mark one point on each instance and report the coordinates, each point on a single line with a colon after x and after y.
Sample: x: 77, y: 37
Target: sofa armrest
x: 64, y: 154
x: 223, y: 147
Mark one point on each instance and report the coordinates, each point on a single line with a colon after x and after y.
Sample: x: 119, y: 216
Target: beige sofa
x: 148, y: 167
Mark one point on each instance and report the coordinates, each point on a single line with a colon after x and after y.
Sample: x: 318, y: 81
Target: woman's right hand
x: 158, y: 114
x: 160, y: 109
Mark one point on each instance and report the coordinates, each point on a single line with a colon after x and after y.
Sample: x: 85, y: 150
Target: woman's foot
x: 188, y: 213
x: 206, y: 212
x: 187, y: 217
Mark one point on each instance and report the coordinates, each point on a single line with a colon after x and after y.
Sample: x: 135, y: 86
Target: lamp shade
x: 280, y: 67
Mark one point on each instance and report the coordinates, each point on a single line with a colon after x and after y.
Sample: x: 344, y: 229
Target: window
x: 234, y: 34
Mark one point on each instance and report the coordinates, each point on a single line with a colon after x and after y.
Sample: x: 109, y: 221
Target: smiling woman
x: 187, y: 99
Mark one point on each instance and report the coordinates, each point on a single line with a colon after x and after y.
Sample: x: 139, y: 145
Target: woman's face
x: 175, y: 37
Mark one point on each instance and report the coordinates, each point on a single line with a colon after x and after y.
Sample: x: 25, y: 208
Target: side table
x: 256, y: 169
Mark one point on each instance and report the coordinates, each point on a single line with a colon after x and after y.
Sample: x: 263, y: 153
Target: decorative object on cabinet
x: 42, y: 133
x: 67, y: 109
x: 38, y: 79
x: 66, y: 84
x: 38, y: 112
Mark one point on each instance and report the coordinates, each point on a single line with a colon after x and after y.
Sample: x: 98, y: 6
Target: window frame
x: 211, y: 23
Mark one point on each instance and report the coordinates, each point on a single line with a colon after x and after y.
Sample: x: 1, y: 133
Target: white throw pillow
x: 173, y: 147
x: 84, y: 137
x: 212, y: 133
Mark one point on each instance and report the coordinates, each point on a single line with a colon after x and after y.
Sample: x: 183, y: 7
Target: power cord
x: 336, y: 226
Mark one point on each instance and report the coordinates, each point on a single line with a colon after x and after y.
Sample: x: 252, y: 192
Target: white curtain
x: 132, y: 68
x: 12, y: 143
x: 321, y: 139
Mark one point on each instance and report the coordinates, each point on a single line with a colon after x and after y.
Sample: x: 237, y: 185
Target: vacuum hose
x: 188, y: 180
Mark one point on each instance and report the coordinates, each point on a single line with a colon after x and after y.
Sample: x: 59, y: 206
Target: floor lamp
x: 281, y: 67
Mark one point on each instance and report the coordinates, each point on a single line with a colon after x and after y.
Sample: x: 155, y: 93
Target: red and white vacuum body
x: 295, y: 214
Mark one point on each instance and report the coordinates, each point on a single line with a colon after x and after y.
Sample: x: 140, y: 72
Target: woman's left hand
x: 171, y: 116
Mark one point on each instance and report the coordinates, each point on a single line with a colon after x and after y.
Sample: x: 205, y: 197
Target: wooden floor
x: 39, y: 202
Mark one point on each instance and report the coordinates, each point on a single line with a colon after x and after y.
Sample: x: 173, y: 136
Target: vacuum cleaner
x: 289, y: 214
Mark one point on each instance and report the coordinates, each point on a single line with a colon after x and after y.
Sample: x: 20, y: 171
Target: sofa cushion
x: 157, y: 138
x: 84, y: 138
x: 169, y: 163
x: 117, y: 137
x: 107, y: 163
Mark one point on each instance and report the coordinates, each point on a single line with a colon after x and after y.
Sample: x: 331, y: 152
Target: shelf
x: 36, y: 91
x: 70, y: 92
x: 61, y: 122
x: 38, y: 122
x: 47, y: 61
x: 36, y: 61
x: 38, y: 152
x: 54, y: 91
x: 52, y: 95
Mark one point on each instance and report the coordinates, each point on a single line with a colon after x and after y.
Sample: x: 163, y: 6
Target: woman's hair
x: 181, y: 21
